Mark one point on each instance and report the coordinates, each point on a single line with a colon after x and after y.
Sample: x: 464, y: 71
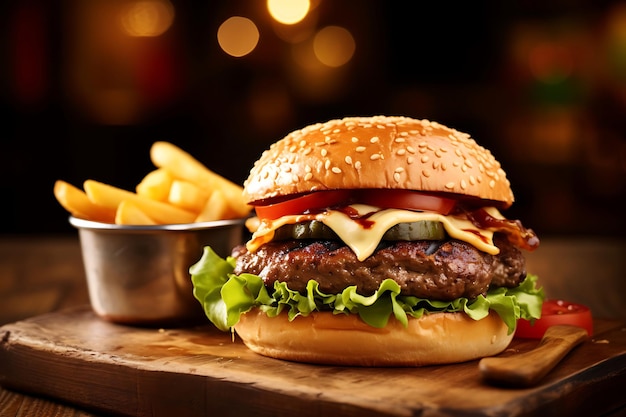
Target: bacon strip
x: 516, y: 233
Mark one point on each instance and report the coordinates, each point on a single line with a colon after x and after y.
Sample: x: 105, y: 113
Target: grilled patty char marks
x: 453, y: 269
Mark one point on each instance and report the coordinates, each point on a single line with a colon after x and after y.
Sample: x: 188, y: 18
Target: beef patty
x: 438, y: 270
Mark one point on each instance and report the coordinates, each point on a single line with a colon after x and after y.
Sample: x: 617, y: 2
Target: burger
x: 376, y: 241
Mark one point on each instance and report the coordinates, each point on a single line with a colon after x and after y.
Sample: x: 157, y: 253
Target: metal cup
x: 139, y: 275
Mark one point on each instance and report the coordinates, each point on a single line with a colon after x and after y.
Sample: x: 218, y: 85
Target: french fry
x: 155, y: 185
x: 128, y: 213
x: 216, y: 208
x: 184, y: 166
x: 187, y: 195
x: 179, y: 190
x: 76, y: 202
x: 111, y: 197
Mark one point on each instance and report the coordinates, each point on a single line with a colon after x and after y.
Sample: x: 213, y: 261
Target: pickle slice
x: 422, y: 230
x: 312, y: 229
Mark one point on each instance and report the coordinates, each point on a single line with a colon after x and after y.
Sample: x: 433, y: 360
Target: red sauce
x: 516, y: 233
x: 354, y: 215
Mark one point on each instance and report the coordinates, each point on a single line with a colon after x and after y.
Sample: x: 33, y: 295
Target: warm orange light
x: 288, y: 12
x: 147, y: 18
x: 334, y: 46
x: 550, y: 62
x: 313, y: 79
x: 238, y: 36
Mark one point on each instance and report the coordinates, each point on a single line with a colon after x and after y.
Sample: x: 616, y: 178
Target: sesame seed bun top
x: 378, y: 152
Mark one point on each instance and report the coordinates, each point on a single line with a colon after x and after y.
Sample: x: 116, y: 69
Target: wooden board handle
x: 528, y: 368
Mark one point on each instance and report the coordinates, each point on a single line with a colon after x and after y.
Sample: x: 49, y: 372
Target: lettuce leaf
x: 225, y: 296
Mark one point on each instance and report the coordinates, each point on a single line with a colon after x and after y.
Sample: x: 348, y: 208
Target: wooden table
x: 44, y: 275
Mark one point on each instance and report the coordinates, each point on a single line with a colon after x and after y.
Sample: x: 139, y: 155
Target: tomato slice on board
x: 400, y: 199
x: 555, y: 312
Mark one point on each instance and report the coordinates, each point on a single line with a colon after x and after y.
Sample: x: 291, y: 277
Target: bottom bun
x: 324, y: 338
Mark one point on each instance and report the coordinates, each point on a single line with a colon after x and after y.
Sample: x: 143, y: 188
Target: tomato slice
x: 309, y: 202
x: 555, y: 312
x: 405, y: 199
x: 319, y: 200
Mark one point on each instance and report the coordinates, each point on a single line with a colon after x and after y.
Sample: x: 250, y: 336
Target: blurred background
x: 88, y: 85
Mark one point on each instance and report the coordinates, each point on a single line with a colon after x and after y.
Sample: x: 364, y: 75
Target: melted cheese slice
x: 363, y: 241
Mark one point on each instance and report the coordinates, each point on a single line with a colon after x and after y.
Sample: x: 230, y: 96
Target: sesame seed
x: 450, y: 185
x: 410, y: 149
x: 360, y: 149
x: 348, y: 160
x: 375, y: 156
x: 463, y: 184
x: 396, y: 176
x: 426, y: 173
x: 292, y: 148
x: 492, y: 184
x: 424, y: 158
x: 374, y: 139
x: 327, y: 164
x: 307, y: 168
x: 357, y: 165
x: 354, y: 139
x: 324, y: 152
x: 399, y: 140
x: 399, y: 169
x: 307, y: 151
x: 308, y: 176
x: 302, y: 143
x: 472, y: 180
x: 410, y: 160
x: 336, y: 170
x: 400, y: 151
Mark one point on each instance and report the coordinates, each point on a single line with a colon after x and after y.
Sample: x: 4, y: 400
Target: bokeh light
x: 288, y: 12
x: 334, y: 46
x: 147, y: 17
x: 550, y: 62
x: 238, y: 36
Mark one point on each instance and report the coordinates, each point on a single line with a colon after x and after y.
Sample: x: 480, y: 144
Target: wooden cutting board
x: 75, y: 356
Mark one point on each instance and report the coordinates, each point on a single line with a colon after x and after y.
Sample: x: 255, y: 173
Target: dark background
x: 541, y: 84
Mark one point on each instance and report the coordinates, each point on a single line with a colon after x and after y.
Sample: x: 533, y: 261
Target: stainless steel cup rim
x: 182, y: 227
